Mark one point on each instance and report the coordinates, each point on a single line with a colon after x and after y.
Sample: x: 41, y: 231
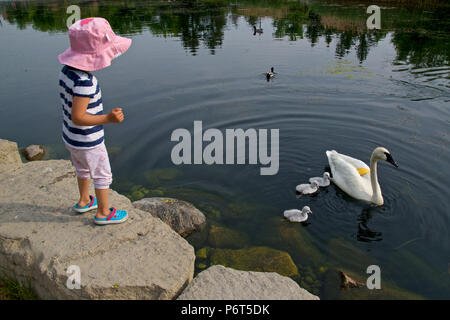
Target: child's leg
x: 83, y: 174
x: 102, y: 176
x: 83, y: 187
x: 103, y: 202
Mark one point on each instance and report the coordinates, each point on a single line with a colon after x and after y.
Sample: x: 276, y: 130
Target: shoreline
x: 146, y: 258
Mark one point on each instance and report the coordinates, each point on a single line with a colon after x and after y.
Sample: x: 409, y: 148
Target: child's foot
x: 114, y: 217
x: 81, y: 207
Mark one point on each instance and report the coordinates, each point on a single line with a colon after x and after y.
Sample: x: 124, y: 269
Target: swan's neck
x: 377, y: 198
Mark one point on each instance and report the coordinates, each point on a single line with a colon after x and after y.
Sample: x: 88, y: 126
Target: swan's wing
x: 352, y: 161
x: 362, y: 168
x: 347, y: 177
x: 289, y: 213
x: 302, y: 187
x: 298, y: 218
x: 316, y: 179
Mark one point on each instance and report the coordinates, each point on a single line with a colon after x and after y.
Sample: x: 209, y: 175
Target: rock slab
x: 41, y: 237
x: 180, y: 215
x: 219, y: 283
x: 9, y: 153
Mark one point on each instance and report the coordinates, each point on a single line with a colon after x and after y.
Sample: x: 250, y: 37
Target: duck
x: 323, y: 181
x: 295, y: 215
x: 306, y: 188
x: 357, y: 179
x: 270, y: 74
x: 255, y: 31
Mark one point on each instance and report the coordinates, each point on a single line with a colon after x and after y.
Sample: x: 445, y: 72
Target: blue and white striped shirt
x: 74, y: 82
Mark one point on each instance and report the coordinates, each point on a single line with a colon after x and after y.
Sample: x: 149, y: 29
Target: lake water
x: 337, y: 86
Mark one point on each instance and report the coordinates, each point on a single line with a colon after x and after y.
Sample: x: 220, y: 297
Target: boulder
x: 180, y: 215
x: 41, y: 238
x: 34, y: 152
x: 9, y: 153
x: 221, y: 283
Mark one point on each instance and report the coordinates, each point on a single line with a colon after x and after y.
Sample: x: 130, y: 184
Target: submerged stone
x: 222, y: 237
x: 255, y: 259
x: 296, y: 240
x: 347, y: 282
x: 344, y: 254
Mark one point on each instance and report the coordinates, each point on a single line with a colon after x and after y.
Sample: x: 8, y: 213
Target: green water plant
x: 223, y: 237
x: 262, y: 259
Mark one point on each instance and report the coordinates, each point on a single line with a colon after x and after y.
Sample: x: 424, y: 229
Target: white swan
x: 322, y: 182
x: 355, y: 178
x: 295, y: 215
x: 306, y: 188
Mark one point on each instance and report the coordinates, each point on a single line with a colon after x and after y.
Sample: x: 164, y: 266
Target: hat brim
x: 95, y: 61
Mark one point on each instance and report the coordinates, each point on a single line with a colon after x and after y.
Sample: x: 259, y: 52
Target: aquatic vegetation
x: 388, y: 291
x: 294, y: 239
x: 263, y: 259
x: 210, y: 211
x: 139, y: 192
x: 347, y: 69
x: 310, y: 278
x: 343, y: 254
x: 157, y: 177
x: 413, y: 270
x: 222, y: 237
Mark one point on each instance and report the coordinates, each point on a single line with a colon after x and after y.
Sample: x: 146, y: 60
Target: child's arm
x: 81, y: 118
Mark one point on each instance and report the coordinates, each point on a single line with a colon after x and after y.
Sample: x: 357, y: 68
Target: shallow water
x: 335, y: 88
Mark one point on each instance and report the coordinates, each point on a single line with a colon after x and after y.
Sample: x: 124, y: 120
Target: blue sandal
x: 91, y: 206
x: 115, y: 216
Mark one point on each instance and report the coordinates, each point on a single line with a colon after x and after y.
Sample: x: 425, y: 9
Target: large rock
x: 40, y: 237
x: 180, y: 215
x: 219, y: 283
x: 9, y: 153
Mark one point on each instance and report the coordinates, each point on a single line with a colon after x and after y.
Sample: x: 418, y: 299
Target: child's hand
x: 115, y: 115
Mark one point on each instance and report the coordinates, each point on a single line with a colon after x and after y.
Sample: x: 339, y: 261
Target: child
x: 93, y: 45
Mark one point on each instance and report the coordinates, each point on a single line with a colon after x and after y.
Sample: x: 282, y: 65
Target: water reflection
x: 202, y: 23
x: 365, y: 234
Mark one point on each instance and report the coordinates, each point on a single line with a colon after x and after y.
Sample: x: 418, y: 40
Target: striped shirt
x: 74, y: 82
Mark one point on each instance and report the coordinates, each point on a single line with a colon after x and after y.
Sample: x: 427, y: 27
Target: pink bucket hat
x: 93, y: 45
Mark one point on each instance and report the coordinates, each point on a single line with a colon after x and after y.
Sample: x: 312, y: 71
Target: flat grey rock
x: 40, y: 237
x: 219, y: 283
x: 180, y: 215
